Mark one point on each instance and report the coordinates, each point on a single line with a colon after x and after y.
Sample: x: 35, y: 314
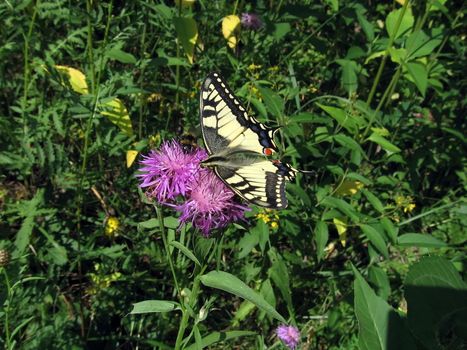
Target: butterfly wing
x: 226, y: 125
x: 259, y: 182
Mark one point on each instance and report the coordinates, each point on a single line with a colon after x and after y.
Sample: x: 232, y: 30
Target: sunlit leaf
x: 75, y: 77
x: 405, y: 25
x: 380, y: 326
x: 231, y: 284
x: 341, y: 227
x: 117, y: 113
x: 131, y: 155
x: 149, y: 306
x: 384, y: 143
x: 231, y: 29
x: 348, y: 187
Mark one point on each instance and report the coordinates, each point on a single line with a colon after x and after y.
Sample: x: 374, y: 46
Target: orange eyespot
x: 267, y: 151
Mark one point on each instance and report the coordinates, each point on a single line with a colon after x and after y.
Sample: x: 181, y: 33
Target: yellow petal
x: 341, y: 227
x: 117, y: 113
x: 349, y: 187
x: 230, y: 30
x: 130, y: 157
x: 75, y: 77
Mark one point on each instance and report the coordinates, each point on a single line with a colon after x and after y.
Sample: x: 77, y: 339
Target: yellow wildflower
x: 406, y: 203
x: 111, y: 226
x: 253, y: 67
x: 154, y: 97
x: 269, y: 217
x: 101, y: 281
x: 312, y: 89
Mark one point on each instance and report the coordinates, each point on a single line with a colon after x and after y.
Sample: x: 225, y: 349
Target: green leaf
x: 187, y: 34
x: 384, y: 143
x: 30, y: 210
x: 380, y: 327
x: 349, y: 75
x: 374, y: 201
x: 151, y: 223
x: 274, y: 103
x: 231, y: 284
x: 437, y: 302
x: 344, y: 120
x: 321, y: 238
x: 397, y: 55
x: 379, y: 280
x: 280, y: 30
x: 405, y: 25
x: 366, y: 26
x: 376, y: 239
x: 419, y: 240
x: 216, y: 337
x: 343, y: 206
x: 280, y: 276
x: 307, y: 117
x: 247, y: 243
x: 390, y: 229
x: 348, y: 142
x: 419, y: 44
x: 187, y: 252
x: 117, y: 54
x: 417, y: 71
x: 149, y: 306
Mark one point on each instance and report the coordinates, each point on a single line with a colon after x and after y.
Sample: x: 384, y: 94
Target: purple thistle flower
x: 167, y: 173
x: 210, y: 204
x: 251, y: 21
x: 290, y: 335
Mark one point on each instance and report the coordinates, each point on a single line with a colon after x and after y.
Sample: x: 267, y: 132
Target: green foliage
x: 370, y: 251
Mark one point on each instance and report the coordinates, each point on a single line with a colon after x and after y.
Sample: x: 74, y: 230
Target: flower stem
x: 386, y: 54
x: 7, y: 310
x: 160, y: 217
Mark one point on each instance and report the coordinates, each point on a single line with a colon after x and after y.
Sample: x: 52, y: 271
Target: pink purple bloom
x: 172, y: 174
x: 251, y: 21
x: 210, y: 204
x: 167, y: 173
x: 290, y: 335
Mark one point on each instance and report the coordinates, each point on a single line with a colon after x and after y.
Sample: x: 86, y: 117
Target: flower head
x: 166, y: 173
x: 210, y: 204
x: 290, y: 335
x: 251, y: 21
x: 111, y: 226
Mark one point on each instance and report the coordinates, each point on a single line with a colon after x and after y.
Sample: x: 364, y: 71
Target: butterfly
x: 237, y: 143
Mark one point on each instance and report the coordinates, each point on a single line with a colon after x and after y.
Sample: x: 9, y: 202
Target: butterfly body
x: 237, y: 145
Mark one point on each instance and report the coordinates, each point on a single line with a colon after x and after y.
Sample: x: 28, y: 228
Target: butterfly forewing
x: 226, y: 124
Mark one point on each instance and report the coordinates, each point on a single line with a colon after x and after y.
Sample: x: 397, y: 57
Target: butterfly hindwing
x: 226, y: 124
x: 260, y: 182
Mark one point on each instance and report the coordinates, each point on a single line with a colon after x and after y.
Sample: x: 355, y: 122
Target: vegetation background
x: 370, y: 252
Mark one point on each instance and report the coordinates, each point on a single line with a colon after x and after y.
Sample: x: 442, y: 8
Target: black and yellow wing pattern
x: 235, y: 142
